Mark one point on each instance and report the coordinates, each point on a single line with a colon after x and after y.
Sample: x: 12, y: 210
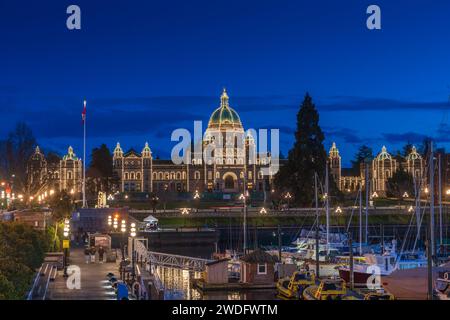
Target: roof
x: 259, y: 256
x: 217, y: 261
x: 224, y: 116
x: 150, y: 218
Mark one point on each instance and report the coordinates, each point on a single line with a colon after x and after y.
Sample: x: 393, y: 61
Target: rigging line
x: 353, y: 209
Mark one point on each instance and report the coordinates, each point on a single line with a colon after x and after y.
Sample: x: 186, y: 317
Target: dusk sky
x: 148, y: 67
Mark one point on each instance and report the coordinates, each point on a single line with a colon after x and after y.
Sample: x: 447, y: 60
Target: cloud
x: 349, y: 103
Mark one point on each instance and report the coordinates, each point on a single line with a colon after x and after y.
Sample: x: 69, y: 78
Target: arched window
x: 166, y: 176
x: 178, y: 175
x: 69, y: 175
x: 155, y: 176
x: 217, y: 175
x: 161, y: 176
x: 172, y: 176
x: 132, y: 176
x: 197, y: 175
x: 56, y: 175
x: 126, y: 175
x: 184, y: 175
x: 138, y: 176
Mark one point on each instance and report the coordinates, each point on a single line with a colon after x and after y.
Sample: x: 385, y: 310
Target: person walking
x: 87, y: 254
x: 93, y: 254
x: 101, y: 252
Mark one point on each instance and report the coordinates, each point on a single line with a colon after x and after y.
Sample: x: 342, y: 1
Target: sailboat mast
x: 440, y: 198
x: 317, y: 226
x: 360, y: 219
x: 327, y: 206
x: 431, y: 159
x: 366, y: 233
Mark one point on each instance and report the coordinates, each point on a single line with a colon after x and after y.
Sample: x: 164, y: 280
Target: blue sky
x: 148, y: 67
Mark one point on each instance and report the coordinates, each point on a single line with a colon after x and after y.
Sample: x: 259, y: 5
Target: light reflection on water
x: 179, y: 286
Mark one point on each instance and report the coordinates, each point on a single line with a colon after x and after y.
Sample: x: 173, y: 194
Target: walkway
x: 94, y: 284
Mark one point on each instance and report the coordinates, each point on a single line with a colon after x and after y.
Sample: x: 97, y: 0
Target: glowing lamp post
x: 338, y: 210
x: 288, y: 197
x: 116, y: 223
x: 263, y: 210
x: 66, y: 232
x: 133, y: 260
x: 197, y: 199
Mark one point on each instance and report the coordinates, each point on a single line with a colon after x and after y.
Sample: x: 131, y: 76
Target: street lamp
x: 197, y: 199
x: 109, y: 222
x: 115, y: 224
x: 410, y: 209
x: 263, y: 210
x: 133, y: 235
x: 288, y: 197
x: 66, y: 236
x: 338, y: 210
x: 447, y: 192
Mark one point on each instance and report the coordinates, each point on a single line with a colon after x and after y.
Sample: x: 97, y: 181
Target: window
x: 210, y: 175
x: 138, y: 176
x: 197, y: 175
x: 126, y: 175
x: 262, y: 268
x: 69, y: 175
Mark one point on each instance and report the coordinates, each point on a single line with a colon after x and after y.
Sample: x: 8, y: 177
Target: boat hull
x: 359, y: 278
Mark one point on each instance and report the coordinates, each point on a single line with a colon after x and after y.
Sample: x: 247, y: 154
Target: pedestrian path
x: 94, y: 284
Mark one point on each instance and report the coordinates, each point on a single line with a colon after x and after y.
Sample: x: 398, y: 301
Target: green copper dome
x: 224, y: 117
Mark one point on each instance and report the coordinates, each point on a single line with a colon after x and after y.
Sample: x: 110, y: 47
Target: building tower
x: 383, y: 167
x: 334, y: 160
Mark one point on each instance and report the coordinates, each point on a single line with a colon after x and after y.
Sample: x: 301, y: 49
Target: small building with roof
x: 258, y: 267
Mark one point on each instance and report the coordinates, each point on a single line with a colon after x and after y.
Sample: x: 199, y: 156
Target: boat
x: 330, y: 289
x: 386, y: 263
x: 442, y: 285
x: 379, y: 296
x: 288, y: 287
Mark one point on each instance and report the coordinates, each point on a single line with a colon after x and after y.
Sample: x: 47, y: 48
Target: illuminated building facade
x: 234, y: 164
x: 381, y: 168
x: 54, y: 174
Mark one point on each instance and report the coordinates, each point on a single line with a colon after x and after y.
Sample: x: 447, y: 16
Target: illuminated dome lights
x: 384, y: 155
x: 414, y: 155
x: 224, y: 117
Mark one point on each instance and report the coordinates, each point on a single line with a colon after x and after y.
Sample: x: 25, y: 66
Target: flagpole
x: 84, y: 157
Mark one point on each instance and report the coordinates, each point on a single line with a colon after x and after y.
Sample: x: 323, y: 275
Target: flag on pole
x: 83, y: 113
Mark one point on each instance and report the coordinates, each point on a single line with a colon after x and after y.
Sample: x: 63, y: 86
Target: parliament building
x: 229, y: 170
x: 379, y: 170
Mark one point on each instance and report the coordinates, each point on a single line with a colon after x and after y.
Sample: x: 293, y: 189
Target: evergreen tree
x: 306, y: 158
x: 364, y: 153
x: 400, y: 182
x: 100, y: 172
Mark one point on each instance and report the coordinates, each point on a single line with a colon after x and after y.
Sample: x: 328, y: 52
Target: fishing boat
x: 288, y: 287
